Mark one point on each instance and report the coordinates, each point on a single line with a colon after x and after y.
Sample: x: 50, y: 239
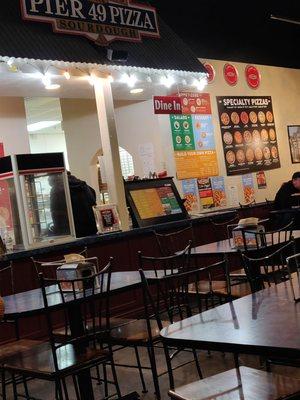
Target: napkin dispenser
x: 246, y: 233
x: 76, y: 270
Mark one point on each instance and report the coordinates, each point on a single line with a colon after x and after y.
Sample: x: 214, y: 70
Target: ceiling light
x: 46, y: 80
x: 53, y: 86
x: 41, y: 125
x: 110, y: 78
x: 130, y: 80
x: 92, y: 80
x: 136, y: 91
x: 200, y: 83
x: 67, y: 75
x: 167, y: 81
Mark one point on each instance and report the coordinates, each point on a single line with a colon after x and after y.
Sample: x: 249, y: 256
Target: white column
x: 110, y: 146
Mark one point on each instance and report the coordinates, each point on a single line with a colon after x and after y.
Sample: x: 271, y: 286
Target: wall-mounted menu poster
x: 248, y: 134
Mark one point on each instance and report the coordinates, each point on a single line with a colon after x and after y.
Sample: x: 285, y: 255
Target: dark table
x: 264, y: 323
x: 31, y: 303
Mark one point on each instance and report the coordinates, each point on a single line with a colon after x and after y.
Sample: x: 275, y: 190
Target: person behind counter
x: 284, y: 199
x: 83, y: 198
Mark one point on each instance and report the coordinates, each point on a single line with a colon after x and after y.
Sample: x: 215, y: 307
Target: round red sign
x: 230, y: 74
x: 252, y: 76
x: 211, y: 72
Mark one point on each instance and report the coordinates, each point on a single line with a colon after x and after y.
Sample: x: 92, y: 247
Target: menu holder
x: 107, y: 218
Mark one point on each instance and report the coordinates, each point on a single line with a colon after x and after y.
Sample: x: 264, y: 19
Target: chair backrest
x: 167, y: 264
x: 7, y: 275
x: 171, y: 243
x: 293, y: 266
x: 48, y: 266
x: 268, y: 264
x: 268, y: 238
x: 91, y: 302
x: 225, y: 226
x: 177, y: 296
x: 269, y: 202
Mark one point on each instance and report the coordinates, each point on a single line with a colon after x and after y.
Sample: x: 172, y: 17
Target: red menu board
x: 230, y: 74
x: 248, y: 134
x: 195, y: 103
x: 252, y: 76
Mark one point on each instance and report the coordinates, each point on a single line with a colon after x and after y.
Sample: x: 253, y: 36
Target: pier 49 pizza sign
x: 102, y: 21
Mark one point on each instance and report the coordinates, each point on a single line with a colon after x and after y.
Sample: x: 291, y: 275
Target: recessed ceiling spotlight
x: 52, y: 86
x: 136, y: 91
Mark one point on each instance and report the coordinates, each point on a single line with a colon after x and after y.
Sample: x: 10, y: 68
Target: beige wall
x: 81, y: 127
x: 283, y: 85
x: 13, y: 126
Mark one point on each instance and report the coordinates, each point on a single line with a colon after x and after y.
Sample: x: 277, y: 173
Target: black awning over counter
x: 37, y: 40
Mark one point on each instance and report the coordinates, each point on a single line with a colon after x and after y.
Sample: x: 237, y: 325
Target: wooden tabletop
x: 31, y: 302
x: 223, y: 246
x: 265, y: 323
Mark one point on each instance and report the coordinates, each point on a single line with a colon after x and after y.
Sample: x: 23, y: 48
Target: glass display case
x: 35, y: 204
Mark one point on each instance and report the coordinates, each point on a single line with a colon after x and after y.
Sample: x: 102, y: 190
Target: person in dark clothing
x: 284, y: 199
x: 83, y: 198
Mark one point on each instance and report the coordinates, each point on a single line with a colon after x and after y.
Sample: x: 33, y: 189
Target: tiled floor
x: 129, y: 378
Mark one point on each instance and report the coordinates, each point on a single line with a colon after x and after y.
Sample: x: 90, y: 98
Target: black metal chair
x: 268, y: 264
x: 171, y: 243
x: 225, y: 226
x: 79, y: 353
x: 256, y: 240
x: 168, y: 264
x: 144, y: 333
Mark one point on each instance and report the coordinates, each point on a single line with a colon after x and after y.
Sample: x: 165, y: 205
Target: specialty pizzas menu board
x: 248, y: 134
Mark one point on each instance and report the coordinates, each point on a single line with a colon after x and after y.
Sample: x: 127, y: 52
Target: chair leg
x: 197, y: 364
x: 115, y: 377
x: 138, y: 360
x: 14, y: 386
x: 58, y: 389
x: 3, y: 385
x: 25, y: 387
x: 65, y: 389
x: 169, y: 366
x: 105, y: 380
x: 98, y: 375
x: 76, y: 387
x: 154, y: 370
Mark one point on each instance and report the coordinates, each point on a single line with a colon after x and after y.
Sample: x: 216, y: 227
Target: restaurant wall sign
x: 101, y: 21
x: 248, y: 134
x: 230, y: 74
x: 211, y: 72
x: 252, y: 76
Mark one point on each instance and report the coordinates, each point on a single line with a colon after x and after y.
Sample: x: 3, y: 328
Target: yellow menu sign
x: 196, y: 163
x: 148, y: 203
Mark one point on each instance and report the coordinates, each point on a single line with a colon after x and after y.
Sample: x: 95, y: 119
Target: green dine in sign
x: 101, y: 21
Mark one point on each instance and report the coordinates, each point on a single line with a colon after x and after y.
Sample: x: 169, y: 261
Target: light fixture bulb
x: 136, y: 91
x: 130, y: 80
x: 46, y: 80
x: 167, y: 81
x: 53, y: 86
x: 67, y: 75
x: 110, y: 78
x: 200, y: 83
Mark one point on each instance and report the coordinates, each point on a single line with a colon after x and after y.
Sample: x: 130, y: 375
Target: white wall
x: 48, y: 143
x: 80, y: 124
x: 136, y: 126
x: 13, y: 126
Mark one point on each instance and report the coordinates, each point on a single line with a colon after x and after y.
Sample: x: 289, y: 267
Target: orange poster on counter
x: 200, y: 163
